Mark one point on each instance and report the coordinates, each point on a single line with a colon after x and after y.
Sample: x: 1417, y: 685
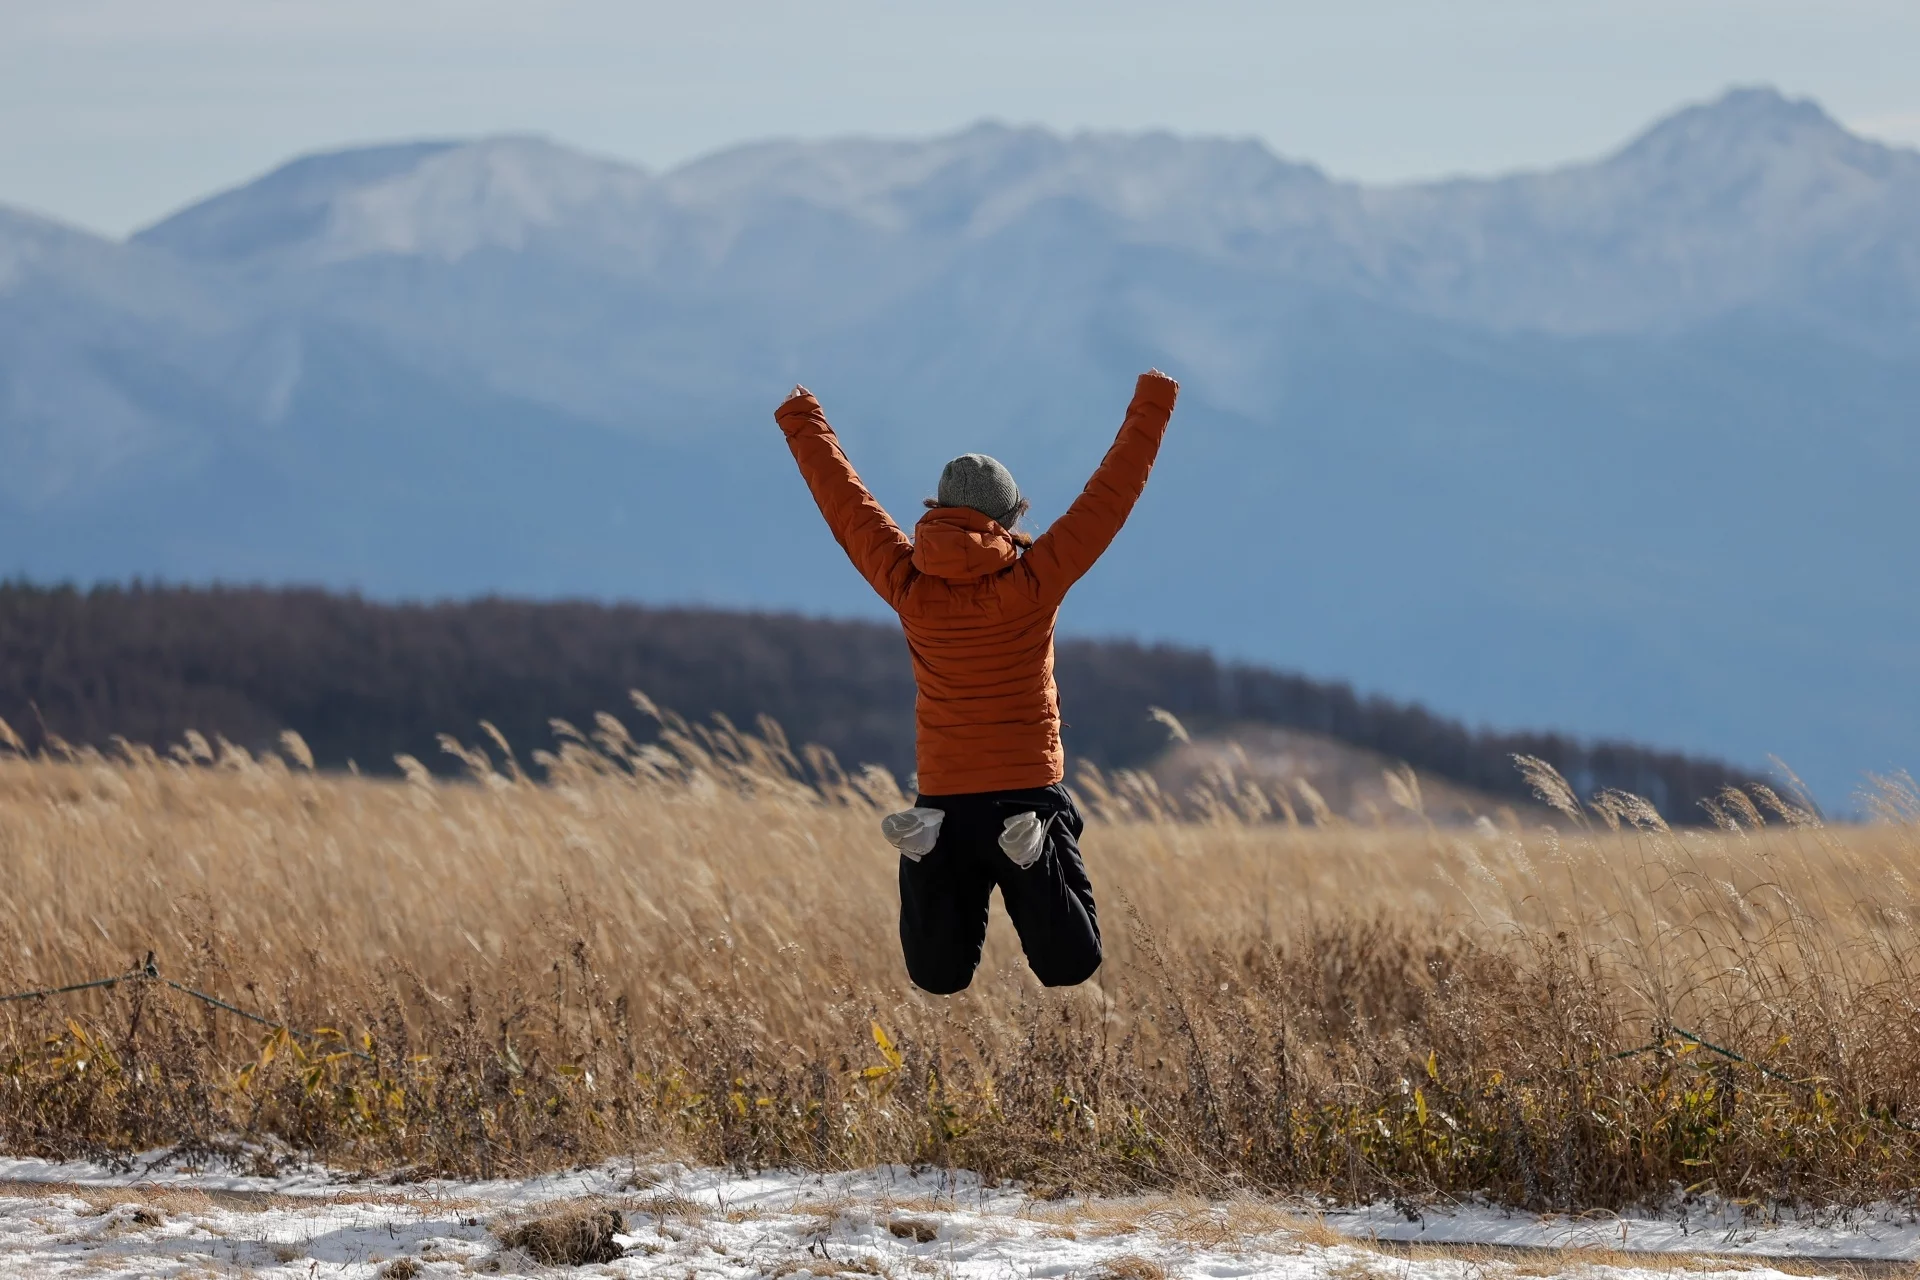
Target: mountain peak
x: 1760, y: 103
x: 283, y: 206
x: 443, y: 198
x: 1742, y: 121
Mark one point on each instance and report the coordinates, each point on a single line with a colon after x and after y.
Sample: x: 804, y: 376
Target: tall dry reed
x: 688, y: 946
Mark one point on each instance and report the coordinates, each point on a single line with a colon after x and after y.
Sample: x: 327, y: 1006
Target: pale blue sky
x: 113, y: 112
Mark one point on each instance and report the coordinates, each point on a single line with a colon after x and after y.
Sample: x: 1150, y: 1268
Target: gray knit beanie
x: 977, y: 481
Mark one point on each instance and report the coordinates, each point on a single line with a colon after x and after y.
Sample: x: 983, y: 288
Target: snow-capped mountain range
x: 1628, y: 446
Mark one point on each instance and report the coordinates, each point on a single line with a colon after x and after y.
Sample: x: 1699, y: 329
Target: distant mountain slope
x: 1628, y: 446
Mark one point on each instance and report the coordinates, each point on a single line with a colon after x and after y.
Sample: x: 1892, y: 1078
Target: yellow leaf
x: 1420, y: 1106
x: 887, y: 1051
x: 1433, y: 1065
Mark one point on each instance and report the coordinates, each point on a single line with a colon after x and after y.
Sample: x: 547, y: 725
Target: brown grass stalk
x: 687, y: 947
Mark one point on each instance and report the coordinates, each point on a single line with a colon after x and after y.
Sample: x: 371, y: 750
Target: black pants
x: 943, y: 897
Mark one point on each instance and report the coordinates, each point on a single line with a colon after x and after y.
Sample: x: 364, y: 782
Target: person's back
x: 987, y: 717
x: 977, y: 601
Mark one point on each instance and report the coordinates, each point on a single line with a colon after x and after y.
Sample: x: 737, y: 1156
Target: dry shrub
x: 687, y: 947
x: 671, y: 1206
x: 570, y: 1237
x: 1130, y: 1266
x: 922, y: 1230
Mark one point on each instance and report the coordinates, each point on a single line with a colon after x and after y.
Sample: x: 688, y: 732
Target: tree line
x: 363, y: 681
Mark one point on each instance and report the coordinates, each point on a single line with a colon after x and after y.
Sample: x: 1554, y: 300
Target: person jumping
x: 978, y: 599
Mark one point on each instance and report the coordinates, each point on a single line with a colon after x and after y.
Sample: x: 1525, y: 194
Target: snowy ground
x: 84, y: 1220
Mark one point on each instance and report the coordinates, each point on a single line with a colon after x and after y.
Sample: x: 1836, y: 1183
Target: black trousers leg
x: 943, y: 905
x: 1051, y: 902
x: 944, y: 896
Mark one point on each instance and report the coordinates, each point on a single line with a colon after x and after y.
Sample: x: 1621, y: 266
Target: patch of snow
x: 1883, y: 1234
x: 163, y: 1219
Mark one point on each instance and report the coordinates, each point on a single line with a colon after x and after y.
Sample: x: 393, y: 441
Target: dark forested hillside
x: 362, y: 681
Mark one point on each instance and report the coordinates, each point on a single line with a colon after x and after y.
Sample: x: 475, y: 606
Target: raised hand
x: 1154, y: 377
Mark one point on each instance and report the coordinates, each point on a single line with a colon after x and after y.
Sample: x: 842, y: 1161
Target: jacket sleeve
x: 1072, y: 543
x: 862, y: 527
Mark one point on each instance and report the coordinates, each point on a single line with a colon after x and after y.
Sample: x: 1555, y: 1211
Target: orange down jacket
x: 978, y: 614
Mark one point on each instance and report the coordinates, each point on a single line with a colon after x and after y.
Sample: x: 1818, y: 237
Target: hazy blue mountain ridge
x: 1626, y: 447
x: 1753, y: 201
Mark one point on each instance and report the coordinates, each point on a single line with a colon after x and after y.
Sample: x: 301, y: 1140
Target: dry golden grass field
x: 688, y: 948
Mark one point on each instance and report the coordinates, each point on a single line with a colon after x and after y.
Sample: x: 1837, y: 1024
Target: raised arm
x: 861, y: 526
x: 1073, y: 542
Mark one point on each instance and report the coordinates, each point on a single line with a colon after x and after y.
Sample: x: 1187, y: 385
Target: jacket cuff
x: 1159, y: 391
x: 798, y: 413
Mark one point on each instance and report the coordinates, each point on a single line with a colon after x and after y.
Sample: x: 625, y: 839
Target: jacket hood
x: 959, y: 542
